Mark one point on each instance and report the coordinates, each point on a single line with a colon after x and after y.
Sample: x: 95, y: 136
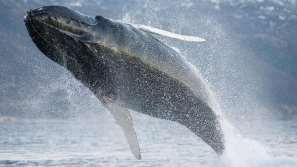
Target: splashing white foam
x: 241, y: 151
x: 244, y: 152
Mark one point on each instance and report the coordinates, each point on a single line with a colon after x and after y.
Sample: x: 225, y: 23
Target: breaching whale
x: 127, y: 68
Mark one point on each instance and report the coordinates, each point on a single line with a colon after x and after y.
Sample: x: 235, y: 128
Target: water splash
x: 244, y: 152
x: 241, y: 151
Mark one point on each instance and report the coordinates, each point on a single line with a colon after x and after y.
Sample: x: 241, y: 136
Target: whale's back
x: 143, y: 45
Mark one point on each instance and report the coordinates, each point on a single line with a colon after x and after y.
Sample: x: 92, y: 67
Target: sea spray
x: 239, y: 151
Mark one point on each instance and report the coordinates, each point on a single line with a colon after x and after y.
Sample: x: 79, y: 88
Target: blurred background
x: 249, y: 60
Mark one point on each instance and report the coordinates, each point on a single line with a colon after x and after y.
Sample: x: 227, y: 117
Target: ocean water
x: 95, y: 140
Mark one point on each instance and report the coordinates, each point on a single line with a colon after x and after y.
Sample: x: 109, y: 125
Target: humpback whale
x: 127, y: 68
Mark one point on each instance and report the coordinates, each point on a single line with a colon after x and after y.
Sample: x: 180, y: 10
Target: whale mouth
x: 69, y: 22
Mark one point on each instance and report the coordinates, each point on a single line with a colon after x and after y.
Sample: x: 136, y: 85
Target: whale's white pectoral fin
x: 124, y: 120
x: 169, y: 34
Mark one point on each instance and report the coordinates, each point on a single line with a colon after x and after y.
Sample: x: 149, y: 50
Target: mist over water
x: 49, y: 119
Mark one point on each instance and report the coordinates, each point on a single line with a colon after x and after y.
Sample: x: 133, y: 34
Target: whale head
x: 55, y: 29
x: 52, y: 27
x: 66, y: 36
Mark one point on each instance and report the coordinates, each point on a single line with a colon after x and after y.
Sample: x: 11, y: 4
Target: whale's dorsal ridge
x: 124, y: 119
